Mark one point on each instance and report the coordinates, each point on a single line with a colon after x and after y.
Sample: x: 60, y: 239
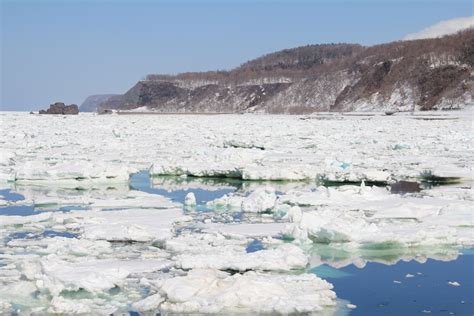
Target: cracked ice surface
x: 95, y: 245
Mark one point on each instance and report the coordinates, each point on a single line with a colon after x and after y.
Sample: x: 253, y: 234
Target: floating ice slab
x: 274, y: 172
x: 91, y: 275
x: 60, y: 194
x: 339, y: 226
x: 78, y: 172
x: 149, y: 303
x: 371, y: 214
x: 223, y: 253
x: 212, y: 291
x: 134, y: 199
x: 202, y: 243
x: 260, y: 200
x: 283, y: 258
x: 129, y: 225
x: 245, y: 230
x: 19, y: 220
x: 226, y: 202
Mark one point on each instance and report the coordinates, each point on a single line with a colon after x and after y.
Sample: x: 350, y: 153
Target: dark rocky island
x: 61, y: 108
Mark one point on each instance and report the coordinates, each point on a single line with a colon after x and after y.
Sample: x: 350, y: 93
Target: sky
x: 66, y: 50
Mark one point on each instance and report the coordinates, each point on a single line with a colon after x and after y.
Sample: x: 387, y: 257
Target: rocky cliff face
x: 423, y: 74
x: 92, y: 103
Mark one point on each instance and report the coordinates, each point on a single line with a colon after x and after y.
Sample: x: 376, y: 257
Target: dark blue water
x: 18, y: 210
x: 374, y: 291
x: 9, y: 195
x: 141, y: 181
x: 26, y: 210
x: 45, y: 234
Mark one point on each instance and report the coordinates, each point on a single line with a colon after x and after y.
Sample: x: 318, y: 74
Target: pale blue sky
x: 55, y: 50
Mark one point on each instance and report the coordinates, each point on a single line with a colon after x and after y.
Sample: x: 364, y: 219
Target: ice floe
x: 260, y: 200
x: 95, y: 244
x: 190, y: 199
x: 213, y: 291
x: 283, y: 258
x: 128, y: 225
x: 81, y: 173
x: 91, y: 275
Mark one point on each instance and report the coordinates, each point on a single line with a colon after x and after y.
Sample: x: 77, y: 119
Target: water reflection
x: 176, y: 188
x: 340, y: 255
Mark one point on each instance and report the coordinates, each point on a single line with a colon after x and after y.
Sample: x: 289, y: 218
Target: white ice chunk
x: 283, y: 258
x: 80, y: 172
x: 129, y: 225
x: 228, y: 201
x: 245, y: 230
x: 260, y: 200
x: 279, y: 172
x: 211, y: 291
x: 149, y: 303
x: 64, y: 306
x: 190, y: 199
x: 91, y: 275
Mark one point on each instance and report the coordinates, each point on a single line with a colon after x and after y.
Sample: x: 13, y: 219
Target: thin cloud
x: 443, y: 28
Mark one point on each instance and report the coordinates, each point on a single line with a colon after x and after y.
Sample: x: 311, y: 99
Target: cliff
x: 424, y: 74
x: 92, y: 103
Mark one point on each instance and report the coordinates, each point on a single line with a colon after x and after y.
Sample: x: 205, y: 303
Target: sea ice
x: 373, y: 215
x: 128, y: 248
x: 92, y: 275
x: 260, y: 200
x: 245, y: 230
x: 129, y: 225
x: 80, y: 172
x: 213, y: 291
x: 190, y: 200
x: 283, y: 258
x: 149, y: 303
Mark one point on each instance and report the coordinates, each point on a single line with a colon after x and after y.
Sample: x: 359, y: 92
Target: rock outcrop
x: 421, y: 74
x: 61, y: 108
